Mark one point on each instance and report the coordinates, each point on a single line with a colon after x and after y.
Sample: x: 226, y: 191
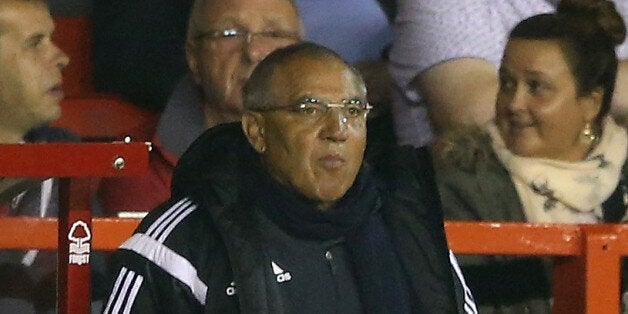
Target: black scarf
x: 355, y: 217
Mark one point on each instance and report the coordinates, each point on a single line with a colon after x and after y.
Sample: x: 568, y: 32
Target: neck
x: 11, y: 136
x: 12, y: 128
x: 582, y: 150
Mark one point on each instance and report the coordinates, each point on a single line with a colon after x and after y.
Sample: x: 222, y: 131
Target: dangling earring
x: 588, y: 132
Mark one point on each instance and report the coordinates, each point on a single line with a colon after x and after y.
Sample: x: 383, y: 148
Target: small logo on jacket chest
x: 282, y: 276
x: 231, y: 290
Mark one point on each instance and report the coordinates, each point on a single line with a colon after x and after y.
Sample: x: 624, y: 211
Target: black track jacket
x: 200, y: 251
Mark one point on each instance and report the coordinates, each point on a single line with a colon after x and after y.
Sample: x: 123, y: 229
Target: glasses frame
x: 314, y: 101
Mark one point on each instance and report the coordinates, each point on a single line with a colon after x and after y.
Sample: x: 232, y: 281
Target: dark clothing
x: 226, y: 241
x: 319, y: 270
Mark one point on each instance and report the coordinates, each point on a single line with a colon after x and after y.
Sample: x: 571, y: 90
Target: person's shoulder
x: 407, y: 182
x: 472, y: 182
x: 214, y: 143
x: 213, y: 163
x: 179, y: 226
x: 174, y: 251
x: 178, y: 216
x: 176, y: 238
x: 462, y: 150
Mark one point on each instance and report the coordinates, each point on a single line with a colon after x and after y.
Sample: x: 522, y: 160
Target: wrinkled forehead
x: 247, y: 14
x: 319, y: 77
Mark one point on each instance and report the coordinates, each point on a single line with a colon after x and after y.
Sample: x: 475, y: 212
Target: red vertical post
x: 569, y: 284
x: 75, y: 235
x: 603, y: 271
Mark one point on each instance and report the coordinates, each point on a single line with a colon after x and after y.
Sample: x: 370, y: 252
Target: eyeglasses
x: 314, y: 109
x: 238, y: 37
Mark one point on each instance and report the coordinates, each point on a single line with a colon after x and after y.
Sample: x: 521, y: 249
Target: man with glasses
x: 224, y: 42
x: 279, y: 214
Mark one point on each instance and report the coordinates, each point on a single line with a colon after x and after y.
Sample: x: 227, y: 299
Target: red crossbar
x: 73, y: 160
x: 117, y: 230
x: 41, y: 233
x: 28, y: 233
x: 490, y: 238
x: 486, y: 238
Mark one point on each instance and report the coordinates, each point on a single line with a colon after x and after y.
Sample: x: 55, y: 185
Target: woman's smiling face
x: 538, y: 109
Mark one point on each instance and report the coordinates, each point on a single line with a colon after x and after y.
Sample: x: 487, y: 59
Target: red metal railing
x: 74, y: 164
x: 587, y: 264
x: 586, y: 276
x: 587, y: 271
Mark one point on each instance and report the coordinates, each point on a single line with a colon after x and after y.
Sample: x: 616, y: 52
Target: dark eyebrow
x: 536, y: 73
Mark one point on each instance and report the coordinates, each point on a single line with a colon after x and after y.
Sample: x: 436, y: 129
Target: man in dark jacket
x: 279, y: 214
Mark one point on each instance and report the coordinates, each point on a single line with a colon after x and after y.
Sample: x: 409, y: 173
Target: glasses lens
x: 225, y: 36
x: 311, y: 108
x: 232, y: 36
x: 230, y: 33
x: 354, y: 109
x: 316, y: 110
x: 278, y: 38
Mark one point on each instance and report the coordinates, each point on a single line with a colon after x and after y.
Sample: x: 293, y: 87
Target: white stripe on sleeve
x: 171, y: 262
x: 469, y: 303
x: 121, y: 293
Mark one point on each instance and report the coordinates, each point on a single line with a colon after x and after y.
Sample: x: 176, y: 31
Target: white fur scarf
x: 554, y: 191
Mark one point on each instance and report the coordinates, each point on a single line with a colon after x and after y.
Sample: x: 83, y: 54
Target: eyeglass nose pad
x: 344, y: 120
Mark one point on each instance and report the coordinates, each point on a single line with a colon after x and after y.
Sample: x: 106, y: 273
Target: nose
x: 61, y: 59
x: 257, y: 48
x: 335, y: 126
x: 513, y: 100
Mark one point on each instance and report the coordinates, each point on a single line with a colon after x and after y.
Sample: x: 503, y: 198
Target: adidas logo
x: 231, y: 290
x: 282, y: 276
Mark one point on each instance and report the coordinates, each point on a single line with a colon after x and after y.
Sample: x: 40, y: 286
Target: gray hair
x: 257, y: 92
x: 198, y: 16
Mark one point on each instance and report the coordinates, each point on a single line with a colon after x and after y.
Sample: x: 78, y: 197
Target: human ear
x: 253, y: 127
x: 592, y: 104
